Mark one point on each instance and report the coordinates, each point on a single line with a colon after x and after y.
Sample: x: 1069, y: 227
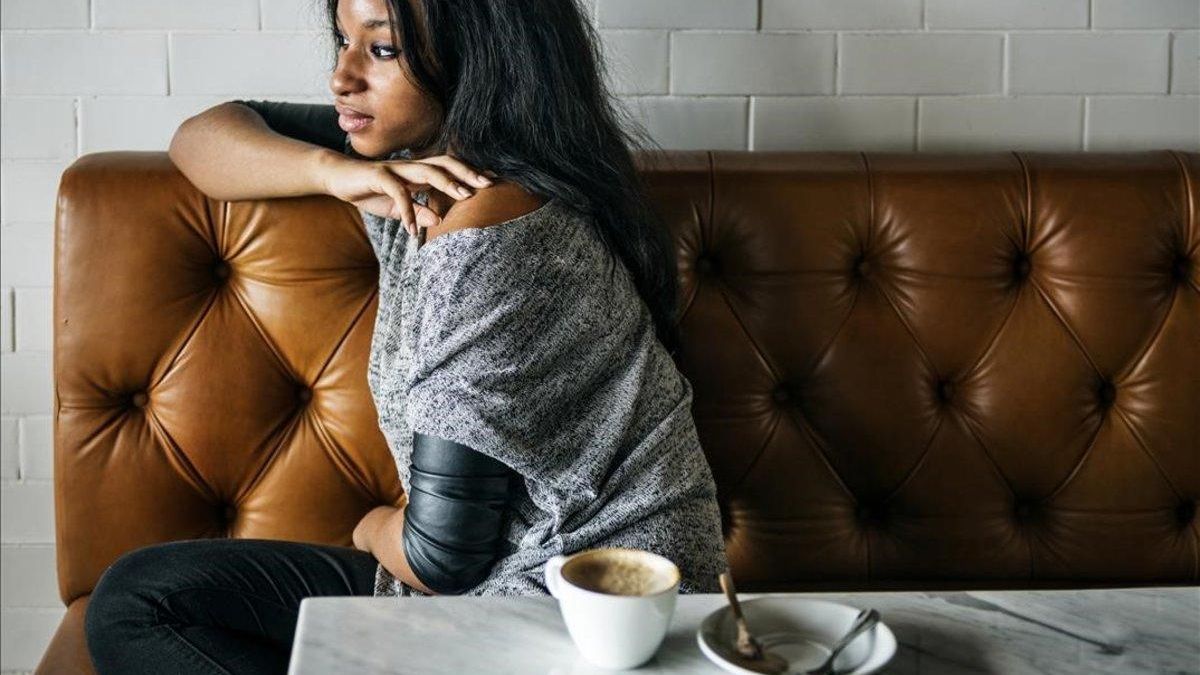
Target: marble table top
x: 1144, y: 630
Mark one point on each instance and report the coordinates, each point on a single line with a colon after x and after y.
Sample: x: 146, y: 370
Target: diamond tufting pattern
x: 908, y: 368
x: 920, y: 369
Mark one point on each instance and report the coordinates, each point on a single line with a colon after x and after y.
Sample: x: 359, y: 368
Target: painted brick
x: 837, y: 14
x: 986, y: 123
x: 921, y: 63
x: 737, y: 14
x: 751, y: 63
x: 833, y: 123
x: 1083, y: 63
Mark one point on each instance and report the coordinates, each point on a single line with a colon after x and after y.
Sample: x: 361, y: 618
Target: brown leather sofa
x: 910, y: 370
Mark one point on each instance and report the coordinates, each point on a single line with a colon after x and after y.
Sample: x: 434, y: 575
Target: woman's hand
x: 385, y: 188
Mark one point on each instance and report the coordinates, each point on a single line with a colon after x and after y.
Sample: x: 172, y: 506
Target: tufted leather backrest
x: 909, y: 369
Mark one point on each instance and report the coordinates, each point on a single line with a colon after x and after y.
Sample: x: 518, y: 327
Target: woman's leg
x: 213, y: 605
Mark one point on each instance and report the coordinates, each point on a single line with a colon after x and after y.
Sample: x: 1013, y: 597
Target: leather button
x: 862, y: 268
x: 1024, y: 510
x: 228, y: 513
x: 869, y: 514
x: 222, y: 270
x: 945, y: 389
x: 781, y: 394
x: 1181, y: 267
x: 1186, y: 513
x: 1107, y: 393
x: 140, y: 399
x: 1021, y: 266
x: 862, y: 513
x: 304, y: 394
x: 705, y: 265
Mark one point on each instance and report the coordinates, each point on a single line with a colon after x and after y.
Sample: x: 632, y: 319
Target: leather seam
x: 920, y: 461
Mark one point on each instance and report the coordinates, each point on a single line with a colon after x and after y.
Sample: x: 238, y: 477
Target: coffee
x: 616, y: 602
x: 617, y: 571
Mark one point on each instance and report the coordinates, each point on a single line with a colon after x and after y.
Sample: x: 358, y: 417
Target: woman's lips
x: 351, y: 123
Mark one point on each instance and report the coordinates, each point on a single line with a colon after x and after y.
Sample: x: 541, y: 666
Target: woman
x: 520, y: 363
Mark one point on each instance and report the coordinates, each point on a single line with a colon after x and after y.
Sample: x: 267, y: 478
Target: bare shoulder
x: 500, y: 202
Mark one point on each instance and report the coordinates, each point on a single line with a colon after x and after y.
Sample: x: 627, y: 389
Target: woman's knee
x: 118, y: 582
x: 128, y: 590
x: 118, y: 605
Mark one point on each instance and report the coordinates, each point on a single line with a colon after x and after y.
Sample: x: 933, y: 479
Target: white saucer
x: 800, y: 630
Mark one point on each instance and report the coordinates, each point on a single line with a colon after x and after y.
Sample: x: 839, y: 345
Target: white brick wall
x: 721, y: 74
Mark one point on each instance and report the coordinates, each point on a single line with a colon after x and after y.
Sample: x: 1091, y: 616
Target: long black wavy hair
x: 523, y: 93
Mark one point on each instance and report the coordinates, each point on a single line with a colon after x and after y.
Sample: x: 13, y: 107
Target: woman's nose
x: 345, y: 77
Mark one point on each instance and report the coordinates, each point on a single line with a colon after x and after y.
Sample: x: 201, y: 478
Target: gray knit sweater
x: 512, y: 340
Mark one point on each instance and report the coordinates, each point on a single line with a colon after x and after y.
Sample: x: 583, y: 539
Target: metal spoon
x: 865, y: 620
x: 750, y: 653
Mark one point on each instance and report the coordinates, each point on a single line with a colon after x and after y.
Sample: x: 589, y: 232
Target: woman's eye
x: 340, y: 42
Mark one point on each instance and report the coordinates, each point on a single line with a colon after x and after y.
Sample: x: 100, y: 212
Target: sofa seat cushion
x: 67, y: 653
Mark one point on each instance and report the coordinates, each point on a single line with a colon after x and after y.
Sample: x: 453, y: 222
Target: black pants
x: 214, y: 605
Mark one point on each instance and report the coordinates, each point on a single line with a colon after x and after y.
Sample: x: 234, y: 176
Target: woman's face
x: 371, y: 78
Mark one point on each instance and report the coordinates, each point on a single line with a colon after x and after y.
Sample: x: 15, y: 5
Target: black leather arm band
x: 452, y: 524
x: 315, y: 123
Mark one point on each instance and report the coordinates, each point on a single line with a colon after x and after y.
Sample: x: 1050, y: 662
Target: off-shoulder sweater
x: 513, y: 340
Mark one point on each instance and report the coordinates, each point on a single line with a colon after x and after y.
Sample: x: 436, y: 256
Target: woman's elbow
x: 443, y: 571
x: 462, y: 582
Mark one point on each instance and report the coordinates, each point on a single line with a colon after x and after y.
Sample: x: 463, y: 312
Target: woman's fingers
x: 432, y: 175
x: 402, y: 204
x: 426, y: 217
x: 442, y: 172
x: 459, y: 168
x: 412, y: 213
x: 443, y: 180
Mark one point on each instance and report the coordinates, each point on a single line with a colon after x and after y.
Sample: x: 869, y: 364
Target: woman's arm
x: 453, y: 527
x: 379, y: 533
x: 231, y: 153
x: 447, y: 537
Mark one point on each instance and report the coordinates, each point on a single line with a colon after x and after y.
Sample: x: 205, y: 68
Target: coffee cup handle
x: 553, y: 576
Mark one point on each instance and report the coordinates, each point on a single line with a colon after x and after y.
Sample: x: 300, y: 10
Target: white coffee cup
x: 617, y: 602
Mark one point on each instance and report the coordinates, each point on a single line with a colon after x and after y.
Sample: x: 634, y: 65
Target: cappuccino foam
x: 619, y: 573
